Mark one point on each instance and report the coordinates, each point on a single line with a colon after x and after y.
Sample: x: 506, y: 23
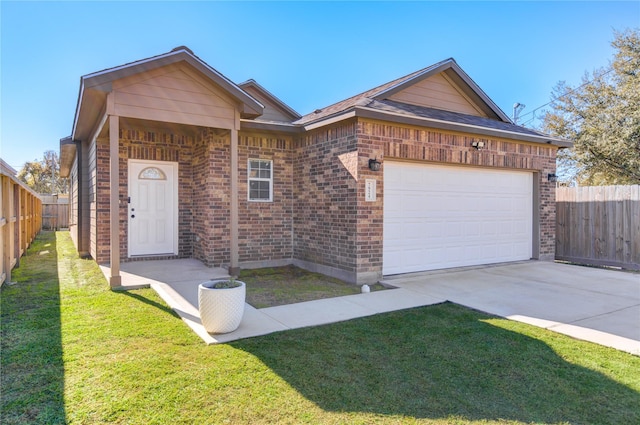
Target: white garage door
x: 438, y: 217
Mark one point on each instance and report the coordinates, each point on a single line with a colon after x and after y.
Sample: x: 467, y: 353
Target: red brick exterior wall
x: 265, y: 231
x: 326, y: 198
x: 143, y: 145
x: 211, y: 201
x: 370, y: 214
x: 319, y: 214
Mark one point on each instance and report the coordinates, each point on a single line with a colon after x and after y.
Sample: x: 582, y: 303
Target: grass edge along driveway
x: 75, y: 352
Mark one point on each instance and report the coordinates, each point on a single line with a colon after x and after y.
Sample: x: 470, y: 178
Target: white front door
x: 153, y: 208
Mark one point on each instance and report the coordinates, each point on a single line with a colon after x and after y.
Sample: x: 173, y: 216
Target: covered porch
x: 175, y: 93
x: 176, y: 282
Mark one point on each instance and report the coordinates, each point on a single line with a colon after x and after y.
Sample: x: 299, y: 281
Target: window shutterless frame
x: 260, y: 180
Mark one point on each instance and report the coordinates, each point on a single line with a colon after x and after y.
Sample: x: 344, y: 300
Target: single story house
x: 168, y: 158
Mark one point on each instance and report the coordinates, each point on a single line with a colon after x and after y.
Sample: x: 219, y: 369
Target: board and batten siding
x: 439, y: 93
x: 173, y: 94
x: 599, y: 225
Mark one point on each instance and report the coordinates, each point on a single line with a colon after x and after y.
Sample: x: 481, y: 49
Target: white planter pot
x: 221, y: 309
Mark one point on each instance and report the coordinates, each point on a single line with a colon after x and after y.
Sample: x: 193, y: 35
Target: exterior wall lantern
x: 552, y: 178
x: 478, y: 144
x: 374, y: 164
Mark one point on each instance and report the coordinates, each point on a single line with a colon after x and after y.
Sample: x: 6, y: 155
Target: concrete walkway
x: 602, y: 306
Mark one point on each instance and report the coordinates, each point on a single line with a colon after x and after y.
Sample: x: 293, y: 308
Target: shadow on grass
x: 443, y: 361
x: 32, y: 379
x: 152, y: 303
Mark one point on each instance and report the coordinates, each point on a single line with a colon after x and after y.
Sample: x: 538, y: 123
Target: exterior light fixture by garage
x: 478, y: 144
x: 552, y: 178
x: 374, y: 164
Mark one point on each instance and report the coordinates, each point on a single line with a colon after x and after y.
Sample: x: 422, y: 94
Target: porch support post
x: 114, y: 208
x: 234, y: 268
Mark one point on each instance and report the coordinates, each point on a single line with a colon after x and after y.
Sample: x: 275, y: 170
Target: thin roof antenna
x: 517, y: 108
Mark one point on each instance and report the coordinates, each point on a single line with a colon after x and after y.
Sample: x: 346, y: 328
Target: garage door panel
x: 394, y: 227
x: 445, y: 216
x: 414, y: 232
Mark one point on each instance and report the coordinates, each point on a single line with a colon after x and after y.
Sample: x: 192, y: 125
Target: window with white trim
x: 260, y: 176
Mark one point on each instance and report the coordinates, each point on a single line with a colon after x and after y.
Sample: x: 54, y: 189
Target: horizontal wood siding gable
x: 437, y: 92
x: 271, y: 112
x: 174, y: 96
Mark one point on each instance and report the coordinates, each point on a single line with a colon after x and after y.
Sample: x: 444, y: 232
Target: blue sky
x: 309, y: 54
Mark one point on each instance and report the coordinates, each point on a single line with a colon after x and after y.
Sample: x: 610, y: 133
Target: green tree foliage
x: 43, y: 176
x: 602, y: 118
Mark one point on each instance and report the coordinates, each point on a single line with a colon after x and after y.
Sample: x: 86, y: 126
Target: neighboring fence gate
x: 599, y: 225
x: 55, y: 212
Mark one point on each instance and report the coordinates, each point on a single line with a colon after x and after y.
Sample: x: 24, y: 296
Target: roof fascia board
x: 349, y: 113
x: 67, y: 155
x: 270, y: 126
x: 365, y: 112
x: 77, y: 115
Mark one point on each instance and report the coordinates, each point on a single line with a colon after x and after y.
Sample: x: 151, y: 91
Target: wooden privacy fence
x: 20, y: 219
x: 599, y: 225
x: 55, y: 212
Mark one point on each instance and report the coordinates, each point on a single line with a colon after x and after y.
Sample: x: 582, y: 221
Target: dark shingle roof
x: 441, y: 115
x: 357, y: 99
x: 376, y: 101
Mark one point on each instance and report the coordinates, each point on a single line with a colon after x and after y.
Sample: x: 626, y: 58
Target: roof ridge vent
x: 176, y: 49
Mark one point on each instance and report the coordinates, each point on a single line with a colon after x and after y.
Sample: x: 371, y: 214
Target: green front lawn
x: 272, y: 286
x: 73, y: 351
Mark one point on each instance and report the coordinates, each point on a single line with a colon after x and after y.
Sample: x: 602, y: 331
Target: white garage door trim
x: 438, y: 216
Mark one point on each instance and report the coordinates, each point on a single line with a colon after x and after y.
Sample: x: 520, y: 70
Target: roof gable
x: 95, y: 87
x: 346, y: 104
x: 274, y: 108
x: 174, y: 93
x: 457, y: 78
x: 465, y: 90
x: 439, y: 92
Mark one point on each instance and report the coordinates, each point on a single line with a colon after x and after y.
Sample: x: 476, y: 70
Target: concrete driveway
x: 601, y: 306
x: 598, y: 305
